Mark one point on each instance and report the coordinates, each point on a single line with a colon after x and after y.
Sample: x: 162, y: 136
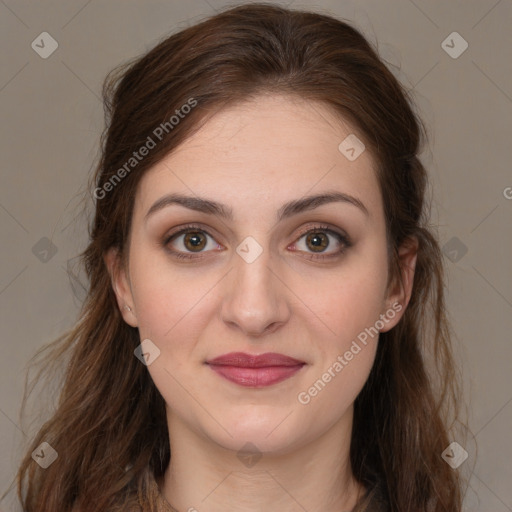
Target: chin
x: 268, y: 433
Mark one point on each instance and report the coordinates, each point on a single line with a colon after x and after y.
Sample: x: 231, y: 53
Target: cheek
x: 169, y: 300
x: 348, y: 300
x: 345, y: 354
x: 171, y: 311
x: 335, y: 390
x: 354, y: 306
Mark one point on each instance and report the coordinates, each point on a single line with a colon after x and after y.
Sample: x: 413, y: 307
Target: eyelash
x: 320, y: 228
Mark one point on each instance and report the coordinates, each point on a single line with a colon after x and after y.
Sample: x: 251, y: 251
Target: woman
x: 265, y: 292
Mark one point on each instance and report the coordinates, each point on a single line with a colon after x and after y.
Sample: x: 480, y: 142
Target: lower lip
x: 256, y: 377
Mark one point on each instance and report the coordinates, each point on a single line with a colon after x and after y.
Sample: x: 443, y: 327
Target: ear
x: 121, y: 286
x: 399, y: 293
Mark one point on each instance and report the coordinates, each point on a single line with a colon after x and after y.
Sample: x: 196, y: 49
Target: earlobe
x: 121, y: 286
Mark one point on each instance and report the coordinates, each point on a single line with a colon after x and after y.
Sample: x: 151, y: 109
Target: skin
x: 254, y: 157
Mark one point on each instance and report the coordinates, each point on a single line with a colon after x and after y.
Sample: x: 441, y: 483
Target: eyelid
x: 320, y: 226
x: 182, y: 230
x: 341, y: 235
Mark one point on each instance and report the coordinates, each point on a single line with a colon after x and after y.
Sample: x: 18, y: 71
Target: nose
x: 254, y: 300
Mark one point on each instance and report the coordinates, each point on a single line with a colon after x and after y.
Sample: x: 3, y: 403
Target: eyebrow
x: 289, y: 209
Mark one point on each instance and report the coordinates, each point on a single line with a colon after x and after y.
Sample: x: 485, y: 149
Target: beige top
x: 372, y: 501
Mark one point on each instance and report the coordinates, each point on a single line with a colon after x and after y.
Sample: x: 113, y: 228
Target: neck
x: 317, y: 476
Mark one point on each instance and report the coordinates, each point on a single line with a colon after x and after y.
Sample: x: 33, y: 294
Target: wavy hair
x: 109, y: 424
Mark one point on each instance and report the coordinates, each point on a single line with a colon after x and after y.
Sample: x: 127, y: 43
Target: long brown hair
x: 109, y: 427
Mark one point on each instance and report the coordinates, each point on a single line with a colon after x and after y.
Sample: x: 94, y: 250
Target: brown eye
x: 194, y: 240
x: 317, y: 241
x: 187, y: 241
x: 191, y: 243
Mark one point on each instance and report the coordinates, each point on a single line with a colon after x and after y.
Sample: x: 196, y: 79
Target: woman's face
x: 253, y: 281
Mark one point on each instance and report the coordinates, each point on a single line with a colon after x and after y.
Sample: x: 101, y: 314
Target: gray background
x: 52, y: 118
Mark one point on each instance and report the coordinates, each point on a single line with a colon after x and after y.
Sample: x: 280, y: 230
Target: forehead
x: 263, y: 152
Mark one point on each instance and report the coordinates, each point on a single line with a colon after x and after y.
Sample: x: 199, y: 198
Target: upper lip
x: 244, y: 360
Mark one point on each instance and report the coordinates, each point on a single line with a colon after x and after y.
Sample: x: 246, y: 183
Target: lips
x: 255, y: 370
x: 244, y: 360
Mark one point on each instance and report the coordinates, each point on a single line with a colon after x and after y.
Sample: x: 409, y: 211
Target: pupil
x: 194, y: 239
x: 316, y: 238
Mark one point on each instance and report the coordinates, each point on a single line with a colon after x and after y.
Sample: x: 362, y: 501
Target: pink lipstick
x: 255, y: 370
